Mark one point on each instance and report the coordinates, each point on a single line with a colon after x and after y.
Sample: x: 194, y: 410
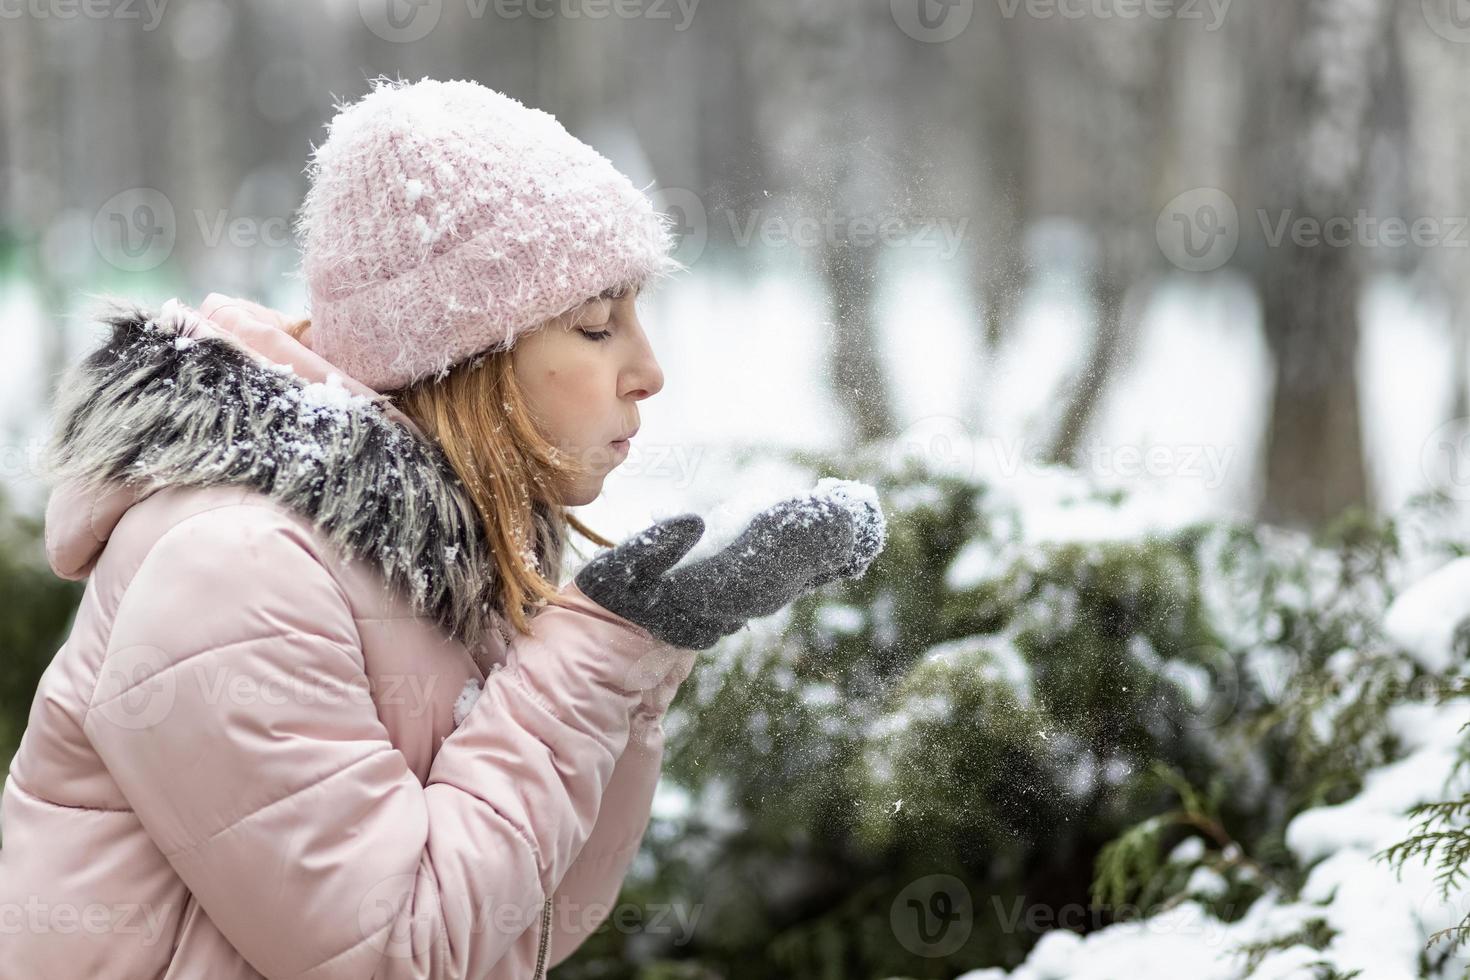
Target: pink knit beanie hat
x: 445, y: 219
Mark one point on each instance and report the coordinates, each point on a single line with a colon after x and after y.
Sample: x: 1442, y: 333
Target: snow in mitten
x: 788, y: 549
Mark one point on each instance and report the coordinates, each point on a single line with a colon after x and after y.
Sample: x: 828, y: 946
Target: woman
x: 323, y: 712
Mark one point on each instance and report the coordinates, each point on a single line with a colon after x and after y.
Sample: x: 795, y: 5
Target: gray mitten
x: 787, y: 550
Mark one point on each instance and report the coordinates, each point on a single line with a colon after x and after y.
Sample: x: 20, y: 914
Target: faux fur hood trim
x: 152, y: 407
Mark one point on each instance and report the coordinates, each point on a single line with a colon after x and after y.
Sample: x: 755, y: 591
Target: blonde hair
x: 478, y: 415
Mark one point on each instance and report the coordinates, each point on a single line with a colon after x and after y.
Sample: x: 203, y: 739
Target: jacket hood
x: 168, y: 401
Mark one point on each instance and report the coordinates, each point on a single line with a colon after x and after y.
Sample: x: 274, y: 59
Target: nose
x: 650, y: 379
x: 644, y: 377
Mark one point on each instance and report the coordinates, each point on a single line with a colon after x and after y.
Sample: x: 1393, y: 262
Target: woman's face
x: 583, y: 375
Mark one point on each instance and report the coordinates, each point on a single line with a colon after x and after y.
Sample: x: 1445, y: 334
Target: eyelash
x: 598, y: 336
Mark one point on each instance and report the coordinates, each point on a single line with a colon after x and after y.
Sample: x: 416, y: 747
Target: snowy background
x: 1140, y: 282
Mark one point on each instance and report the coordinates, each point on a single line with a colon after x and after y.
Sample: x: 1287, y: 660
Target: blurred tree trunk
x: 1004, y: 101
x: 1318, y: 113
x: 856, y: 376
x: 1123, y: 66
x: 830, y: 116
x: 1112, y: 316
x: 206, y: 154
x: 1314, y: 455
x: 33, y: 143
x: 1437, y: 76
x: 728, y: 154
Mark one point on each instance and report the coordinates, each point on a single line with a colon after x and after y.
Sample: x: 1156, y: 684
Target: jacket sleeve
x: 232, y: 709
x: 589, y: 892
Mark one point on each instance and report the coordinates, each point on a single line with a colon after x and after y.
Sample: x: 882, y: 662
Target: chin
x: 584, y: 495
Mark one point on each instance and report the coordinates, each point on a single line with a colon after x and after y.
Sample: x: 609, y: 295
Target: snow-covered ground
x: 1382, y: 919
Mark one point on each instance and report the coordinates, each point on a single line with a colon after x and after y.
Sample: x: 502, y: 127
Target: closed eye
x: 596, y: 335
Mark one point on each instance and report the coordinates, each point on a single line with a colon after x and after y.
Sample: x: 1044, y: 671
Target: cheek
x: 570, y: 396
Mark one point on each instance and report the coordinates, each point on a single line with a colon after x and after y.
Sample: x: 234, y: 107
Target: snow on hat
x: 444, y: 219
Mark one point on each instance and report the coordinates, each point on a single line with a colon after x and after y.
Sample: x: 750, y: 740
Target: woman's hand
x: 787, y: 550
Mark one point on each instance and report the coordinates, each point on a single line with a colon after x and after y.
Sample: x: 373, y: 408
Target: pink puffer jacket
x: 256, y: 756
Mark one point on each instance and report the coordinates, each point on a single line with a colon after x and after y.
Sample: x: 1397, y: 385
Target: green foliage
x: 1038, y: 731
x: 1133, y: 865
x: 38, y: 609
x: 1314, y: 933
x: 1441, y: 838
x: 1320, y: 603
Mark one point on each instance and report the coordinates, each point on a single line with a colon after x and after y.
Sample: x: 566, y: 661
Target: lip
x: 624, y: 440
